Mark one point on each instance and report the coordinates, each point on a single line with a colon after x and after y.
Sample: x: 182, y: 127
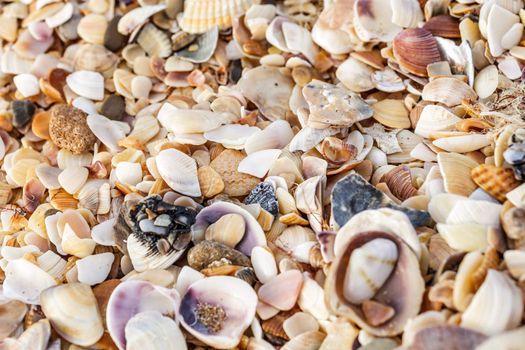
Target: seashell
x: 300, y: 323
x: 406, y: 13
x: 36, y: 336
x: 12, y: 63
x: 179, y: 171
x: 205, y: 253
x: 465, y: 236
x: 462, y: 338
x: 206, y: 44
x: 210, y: 182
x: 87, y: 84
x: 27, y: 85
x: 423, y: 153
x: 263, y: 263
x: 467, y: 211
x: 387, y: 80
x: 455, y: 169
x: 253, y: 235
x: 496, y: 181
x: 505, y: 340
x: 293, y: 236
x: 268, y: 89
x: 399, y: 181
x: 510, y: 67
x: 275, y: 136
x: 40, y: 125
x: 27, y: 46
x: 154, y: 41
x: 151, y: 329
x: 439, y: 90
x: 355, y: 75
x: 92, y: 27
x: 228, y: 230
x: 9, y: 30
x: 407, y: 141
x: 235, y: 183
x: 197, y: 17
x: 414, y: 49
x: 372, y: 20
x: 75, y: 245
x: 299, y: 39
x: 308, y: 340
x: 128, y: 173
x: 141, y: 86
x: 180, y: 121
x: 134, y: 297
x: 435, y: 118
x: 95, y: 58
x: 464, y: 143
x: 405, y: 268
x: 72, y: 179
x: 509, y: 312
x: 282, y: 290
x: 25, y: 281
x: 391, y: 113
x: 259, y: 163
x: 486, y: 81
x: 136, y: 17
x: 94, y: 269
x: 496, y: 31
x: 443, y: 26
x: 72, y: 310
x: 12, y: 315
x: 231, y: 136
x: 144, y: 129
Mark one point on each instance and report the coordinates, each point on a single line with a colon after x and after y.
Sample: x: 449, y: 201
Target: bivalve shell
x: 179, y: 171
x: 414, y: 49
x: 496, y: 181
x: 455, y: 169
x: 449, y: 91
x: 201, y: 15
x: 87, y: 84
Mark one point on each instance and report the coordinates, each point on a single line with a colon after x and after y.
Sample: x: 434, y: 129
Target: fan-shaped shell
x: 414, y: 49
x: 179, y: 171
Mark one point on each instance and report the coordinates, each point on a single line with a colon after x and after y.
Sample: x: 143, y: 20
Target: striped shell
x: 414, y: 49
x: 202, y: 15
x: 495, y: 180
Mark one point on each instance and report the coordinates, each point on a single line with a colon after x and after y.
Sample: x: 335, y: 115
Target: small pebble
x: 114, y: 107
x: 68, y: 129
x: 23, y: 111
x: 113, y: 40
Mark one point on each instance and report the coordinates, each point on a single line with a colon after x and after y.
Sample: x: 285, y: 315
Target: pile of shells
x: 238, y: 174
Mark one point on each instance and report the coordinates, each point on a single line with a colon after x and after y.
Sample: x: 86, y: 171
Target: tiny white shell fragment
x: 259, y: 163
x: 94, y: 269
x: 187, y: 276
x: 27, y: 84
x: 486, y: 81
x: 108, y: 131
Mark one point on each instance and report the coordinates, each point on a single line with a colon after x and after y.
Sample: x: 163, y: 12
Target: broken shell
x: 253, y: 235
x: 355, y: 75
x: 94, y: 269
x: 449, y: 91
x: 494, y: 180
x: 208, y: 312
x: 499, y: 22
x: 373, y: 20
x: 435, y: 118
x: 199, y: 16
x: 226, y: 164
x: 11, y: 316
x: 455, y: 169
x: 72, y: 310
x: 207, y: 252
x: 465, y: 237
x: 27, y: 85
x: 483, y: 316
x: 181, y: 121
x: 275, y: 136
x: 87, y: 84
x: 210, y: 181
x: 179, y: 171
x: 137, y: 17
x: 259, y: 163
x: 414, y: 49
x: 73, y: 178
x: 25, y: 281
x: 282, y: 290
x: 231, y: 136
x: 463, y: 143
x: 405, y: 302
x: 205, y: 43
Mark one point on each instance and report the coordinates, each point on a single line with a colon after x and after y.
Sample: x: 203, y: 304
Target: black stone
x: 235, y: 71
x: 114, y: 107
x: 352, y: 195
x: 23, y: 111
x: 264, y: 194
x: 113, y: 40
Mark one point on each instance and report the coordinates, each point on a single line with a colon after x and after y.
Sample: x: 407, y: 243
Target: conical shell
x: 455, y: 169
x: 496, y: 181
x: 179, y: 171
x: 201, y: 15
x: 414, y: 49
x: 72, y: 310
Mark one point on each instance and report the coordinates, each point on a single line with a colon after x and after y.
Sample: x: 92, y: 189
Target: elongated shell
x: 402, y: 291
x: 73, y: 312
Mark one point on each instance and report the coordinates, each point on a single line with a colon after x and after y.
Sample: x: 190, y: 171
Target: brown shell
x: 402, y: 291
x: 444, y: 26
x: 490, y: 260
x: 273, y: 327
x: 399, y: 182
x: 495, y: 180
x: 414, y: 49
x: 210, y: 181
x: 235, y: 183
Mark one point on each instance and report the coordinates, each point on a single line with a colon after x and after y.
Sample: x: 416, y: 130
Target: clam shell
x: 179, y: 171
x: 151, y: 329
x: 373, y: 20
x: 355, y: 75
x: 72, y: 179
x: 36, y: 337
x: 259, y: 163
x: 25, y: 281
x: 231, y: 136
x: 182, y: 121
x: 217, y: 292
x: 228, y: 230
x: 463, y: 144
x: 275, y: 136
x: 95, y: 58
x: 27, y: 85
x: 449, y: 91
x: 414, y: 49
x: 496, y: 181
x: 444, y: 26
x: 200, y: 16
x: 455, y: 169
x: 298, y: 39
x: 484, y: 316
x: 299, y: 323
x: 435, y: 118
x: 87, y: 84
x: 73, y: 312
x: 391, y: 113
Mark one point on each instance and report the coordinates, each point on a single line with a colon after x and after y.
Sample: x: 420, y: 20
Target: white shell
x: 440, y: 205
x: 464, y: 237
x: 376, y: 23
x: 299, y: 323
x: 463, y: 143
x: 188, y: 121
x: 129, y: 173
x: 179, y: 171
x: 355, y: 75
x: 263, y: 263
x: 435, y: 118
x: 369, y: 267
x: 515, y: 261
x: 25, y: 281
x: 186, y: 277
x: 468, y: 211
x: 103, y: 233
x: 108, y: 131
x: 231, y: 136
x: 499, y: 22
x: 406, y: 13
x: 141, y: 86
x: 151, y: 329
x: 52, y: 263
x: 486, y: 315
x: 276, y: 135
x: 87, y: 84
x: 94, y: 269
x: 27, y: 84
x: 137, y: 16
x: 48, y: 176
x: 73, y: 178
x: 259, y: 163
x: 299, y: 40
x: 486, y: 81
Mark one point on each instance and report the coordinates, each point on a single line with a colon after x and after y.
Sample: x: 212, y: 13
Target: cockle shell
x: 485, y: 316
x: 200, y: 15
x: 414, y: 49
x: 179, y: 171
x: 496, y: 181
x: 154, y: 41
x: 209, y: 312
x: 73, y: 312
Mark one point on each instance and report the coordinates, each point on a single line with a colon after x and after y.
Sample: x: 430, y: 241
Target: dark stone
x: 235, y: 71
x: 515, y: 156
x: 113, y: 40
x: 264, y: 194
x: 23, y: 111
x: 114, y: 107
x: 352, y: 195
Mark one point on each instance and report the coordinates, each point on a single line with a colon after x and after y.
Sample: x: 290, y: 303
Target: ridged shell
x: 179, y: 171
x: 151, y: 329
x: 449, y: 91
x: 210, y: 181
x: 443, y: 26
x: 414, y: 49
x: 202, y: 15
x: 496, y: 181
x: 455, y: 169
x: 87, y: 84
x: 235, y: 182
x: 154, y: 41
x: 399, y: 182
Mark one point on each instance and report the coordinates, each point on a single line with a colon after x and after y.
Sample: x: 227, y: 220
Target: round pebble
x: 23, y: 111
x: 114, y: 107
x: 113, y: 40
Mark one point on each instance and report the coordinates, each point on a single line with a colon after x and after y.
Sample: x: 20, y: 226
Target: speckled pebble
x: 68, y: 129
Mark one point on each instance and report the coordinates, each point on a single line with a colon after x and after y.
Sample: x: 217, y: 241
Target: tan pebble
x: 210, y: 181
x: 235, y: 183
x: 68, y: 129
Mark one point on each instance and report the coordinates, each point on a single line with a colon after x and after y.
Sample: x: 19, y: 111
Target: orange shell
x: 495, y: 180
x: 414, y: 49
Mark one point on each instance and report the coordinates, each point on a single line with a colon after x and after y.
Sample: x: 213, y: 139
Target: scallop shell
x: 154, y: 41
x: 449, y: 91
x: 496, y: 181
x: 72, y: 310
x: 455, y: 169
x: 485, y: 316
x: 87, y: 84
x: 414, y: 49
x: 201, y: 15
